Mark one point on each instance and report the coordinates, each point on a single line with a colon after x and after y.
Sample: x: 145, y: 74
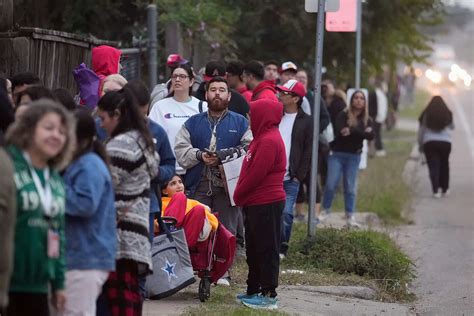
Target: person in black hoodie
x: 352, y: 127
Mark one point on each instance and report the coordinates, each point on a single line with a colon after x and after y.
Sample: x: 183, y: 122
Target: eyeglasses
x: 180, y: 76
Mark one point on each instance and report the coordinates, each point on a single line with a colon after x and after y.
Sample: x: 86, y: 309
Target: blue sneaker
x: 260, y: 302
x: 245, y: 295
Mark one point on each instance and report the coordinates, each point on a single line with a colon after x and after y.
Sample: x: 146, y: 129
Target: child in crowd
x: 195, y: 218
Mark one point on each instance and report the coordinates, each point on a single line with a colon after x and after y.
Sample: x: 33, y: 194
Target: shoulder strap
x: 200, y: 106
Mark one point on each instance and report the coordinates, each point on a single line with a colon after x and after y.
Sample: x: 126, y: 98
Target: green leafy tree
x: 282, y: 30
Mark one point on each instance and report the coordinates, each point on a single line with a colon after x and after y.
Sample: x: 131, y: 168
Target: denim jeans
x: 291, y: 188
x: 347, y: 165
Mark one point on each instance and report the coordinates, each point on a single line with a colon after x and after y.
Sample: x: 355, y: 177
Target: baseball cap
x: 288, y: 65
x: 293, y: 86
x: 215, y: 69
x: 175, y: 59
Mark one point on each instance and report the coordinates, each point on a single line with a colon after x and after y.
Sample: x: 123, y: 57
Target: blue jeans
x: 291, y: 188
x: 347, y: 165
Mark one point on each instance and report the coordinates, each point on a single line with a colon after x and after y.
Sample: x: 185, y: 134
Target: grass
x: 366, y: 258
x: 381, y: 189
x: 413, y: 110
x: 223, y: 302
x: 343, y: 257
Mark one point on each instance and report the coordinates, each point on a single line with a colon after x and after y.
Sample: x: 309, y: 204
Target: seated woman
x: 195, y: 218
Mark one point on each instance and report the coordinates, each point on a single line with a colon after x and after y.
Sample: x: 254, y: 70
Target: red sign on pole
x: 344, y: 20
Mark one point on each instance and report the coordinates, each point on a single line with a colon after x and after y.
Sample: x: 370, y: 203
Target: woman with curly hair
x: 40, y: 143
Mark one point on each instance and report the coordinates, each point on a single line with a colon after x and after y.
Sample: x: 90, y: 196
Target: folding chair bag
x: 172, y: 269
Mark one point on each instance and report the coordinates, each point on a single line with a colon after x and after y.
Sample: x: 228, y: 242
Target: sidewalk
x: 441, y: 242
x: 294, y: 300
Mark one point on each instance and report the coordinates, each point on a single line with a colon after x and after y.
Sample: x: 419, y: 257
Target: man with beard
x: 204, y: 141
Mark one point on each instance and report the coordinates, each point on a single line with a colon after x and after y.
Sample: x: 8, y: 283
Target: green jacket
x: 33, y: 270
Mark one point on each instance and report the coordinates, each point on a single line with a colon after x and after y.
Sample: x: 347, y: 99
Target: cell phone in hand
x: 210, y: 153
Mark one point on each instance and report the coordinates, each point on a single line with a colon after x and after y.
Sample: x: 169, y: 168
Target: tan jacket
x: 7, y: 223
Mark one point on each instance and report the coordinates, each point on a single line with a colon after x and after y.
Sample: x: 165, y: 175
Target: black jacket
x: 237, y: 102
x: 301, y: 144
x: 353, y: 142
x: 337, y: 106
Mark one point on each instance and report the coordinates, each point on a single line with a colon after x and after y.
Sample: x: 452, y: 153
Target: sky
x: 464, y: 3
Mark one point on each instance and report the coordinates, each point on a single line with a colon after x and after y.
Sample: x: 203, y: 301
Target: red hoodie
x: 105, y: 60
x: 246, y: 93
x: 261, y: 177
x: 265, y: 90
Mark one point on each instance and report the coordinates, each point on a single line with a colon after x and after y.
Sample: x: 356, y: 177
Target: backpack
x: 88, y: 83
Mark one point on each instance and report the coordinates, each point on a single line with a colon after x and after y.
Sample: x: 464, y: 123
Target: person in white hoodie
x: 378, y: 109
x: 174, y: 110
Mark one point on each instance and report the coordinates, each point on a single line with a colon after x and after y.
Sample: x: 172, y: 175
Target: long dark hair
x: 352, y: 120
x: 436, y: 116
x: 86, y: 140
x: 189, y: 70
x: 131, y: 118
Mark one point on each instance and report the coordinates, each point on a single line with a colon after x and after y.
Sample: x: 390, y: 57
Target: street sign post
x: 345, y: 19
x: 358, y: 43
x: 311, y: 6
x: 317, y: 105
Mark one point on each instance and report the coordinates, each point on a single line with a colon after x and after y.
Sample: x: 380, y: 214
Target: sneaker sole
x: 267, y: 307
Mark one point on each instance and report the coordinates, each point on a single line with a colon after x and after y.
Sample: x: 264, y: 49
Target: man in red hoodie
x: 253, y: 78
x: 260, y: 192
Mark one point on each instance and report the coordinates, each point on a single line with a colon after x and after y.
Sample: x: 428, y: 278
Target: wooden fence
x: 52, y: 55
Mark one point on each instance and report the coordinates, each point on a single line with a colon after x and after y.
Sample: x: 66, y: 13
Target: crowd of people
x: 84, y: 177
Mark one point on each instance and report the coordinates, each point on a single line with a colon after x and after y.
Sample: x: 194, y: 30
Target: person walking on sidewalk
x: 434, y: 139
x: 260, y: 192
x: 296, y: 129
x: 353, y: 125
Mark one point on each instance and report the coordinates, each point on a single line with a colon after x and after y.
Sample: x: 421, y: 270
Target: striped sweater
x: 132, y: 167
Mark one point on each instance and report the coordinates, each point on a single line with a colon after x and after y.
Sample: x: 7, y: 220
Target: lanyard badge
x: 44, y: 192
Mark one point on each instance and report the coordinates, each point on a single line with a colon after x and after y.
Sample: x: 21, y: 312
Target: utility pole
x: 152, y: 46
x: 317, y: 104
x: 358, y: 44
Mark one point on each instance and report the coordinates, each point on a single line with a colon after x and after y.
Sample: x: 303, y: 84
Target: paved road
x: 442, y: 239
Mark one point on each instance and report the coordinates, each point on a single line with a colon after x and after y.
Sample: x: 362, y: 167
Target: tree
x: 247, y: 29
x: 282, y: 30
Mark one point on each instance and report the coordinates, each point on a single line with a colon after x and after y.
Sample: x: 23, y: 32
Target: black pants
x: 262, y: 238
x: 437, y: 158
x: 378, y: 136
x: 22, y: 304
x: 303, y: 195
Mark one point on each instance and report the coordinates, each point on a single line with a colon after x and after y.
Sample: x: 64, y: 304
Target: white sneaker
x: 437, y: 195
x: 223, y: 282
x: 351, y: 222
x: 381, y: 153
x: 445, y: 194
x: 323, y: 216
